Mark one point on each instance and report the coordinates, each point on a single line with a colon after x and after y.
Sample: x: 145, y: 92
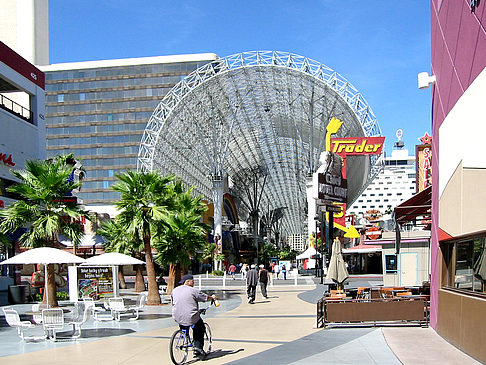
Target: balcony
x: 16, y: 109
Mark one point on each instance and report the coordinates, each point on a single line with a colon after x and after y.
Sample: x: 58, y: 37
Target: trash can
x: 17, y: 294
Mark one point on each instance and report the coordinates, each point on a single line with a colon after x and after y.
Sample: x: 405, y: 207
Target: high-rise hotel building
x: 395, y: 184
x: 98, y: 110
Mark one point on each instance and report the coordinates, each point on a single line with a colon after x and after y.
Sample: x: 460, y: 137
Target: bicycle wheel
x: 178, y: 347
x: 208, y: 339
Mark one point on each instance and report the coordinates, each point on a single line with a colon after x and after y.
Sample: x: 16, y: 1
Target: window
x: 60, y: 98
x: 391, y: 264
x: 468, y: 272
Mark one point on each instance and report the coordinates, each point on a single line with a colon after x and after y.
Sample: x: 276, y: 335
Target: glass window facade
x: 100, y: 114
x: 466, y: 264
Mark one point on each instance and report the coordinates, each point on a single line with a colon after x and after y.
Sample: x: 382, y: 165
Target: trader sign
x: 332, y: 188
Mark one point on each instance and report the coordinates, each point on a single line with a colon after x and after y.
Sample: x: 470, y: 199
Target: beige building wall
x: 462, y: 209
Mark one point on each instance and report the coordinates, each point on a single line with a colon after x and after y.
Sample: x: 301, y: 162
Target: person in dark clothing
x: 251, y: 283
x: 263, y: 276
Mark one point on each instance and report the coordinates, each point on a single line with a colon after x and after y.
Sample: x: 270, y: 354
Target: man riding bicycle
x: 185, y: 309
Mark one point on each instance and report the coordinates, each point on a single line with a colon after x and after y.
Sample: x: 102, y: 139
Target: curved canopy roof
x: 258, y: 111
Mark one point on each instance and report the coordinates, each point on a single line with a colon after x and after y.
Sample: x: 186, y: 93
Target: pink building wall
x: 458, y: 37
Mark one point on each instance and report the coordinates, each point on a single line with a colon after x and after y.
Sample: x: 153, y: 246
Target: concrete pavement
x: 279, y: 330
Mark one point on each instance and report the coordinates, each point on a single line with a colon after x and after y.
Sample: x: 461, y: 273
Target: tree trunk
x: 121, y: 278
x: 51, y: 286
x: 175, y: 275
x: 153, y: 297
x: 139, y: 283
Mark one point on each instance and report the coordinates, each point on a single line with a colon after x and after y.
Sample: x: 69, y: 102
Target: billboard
x: 95, y: 282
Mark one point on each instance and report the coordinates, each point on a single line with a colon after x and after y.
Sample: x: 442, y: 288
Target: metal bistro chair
x: 82, y: 314
x: 117, y: 307
x: 363, y: 293
x: 13, y: 319
x: 52, y: 320
x: 95, y: 311
x: 141, y: 301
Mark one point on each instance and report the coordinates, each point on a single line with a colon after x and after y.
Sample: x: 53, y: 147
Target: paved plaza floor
x: 278, y: 330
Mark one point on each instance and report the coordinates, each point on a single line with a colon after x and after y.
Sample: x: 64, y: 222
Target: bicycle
x: 182, y: 341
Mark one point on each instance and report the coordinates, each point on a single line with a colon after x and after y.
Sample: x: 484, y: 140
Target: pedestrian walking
x: 231, y: 271
x: 251, y: 283
x: 244, y: 271
x: 276, y: 269
x: 284, y: 272
x: 263, y: 276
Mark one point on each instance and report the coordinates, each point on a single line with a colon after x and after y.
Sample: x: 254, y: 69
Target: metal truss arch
x: 260, y: 108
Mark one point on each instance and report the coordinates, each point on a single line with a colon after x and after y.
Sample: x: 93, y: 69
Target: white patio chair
x: 95, y: 311
x: 37, y: 310
x: 117, y: 307
x: 52, y: 320
x: 13, y: 319
x: 78, y: 321
x: 141, y: 301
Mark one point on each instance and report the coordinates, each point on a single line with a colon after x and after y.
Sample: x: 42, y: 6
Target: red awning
x: 417, y: 206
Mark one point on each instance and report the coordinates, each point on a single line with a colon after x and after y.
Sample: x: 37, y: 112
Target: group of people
x: 254, y: 277
x: 276, y: 269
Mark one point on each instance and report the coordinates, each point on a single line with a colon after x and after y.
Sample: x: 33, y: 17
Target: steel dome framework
x: 259, y: 109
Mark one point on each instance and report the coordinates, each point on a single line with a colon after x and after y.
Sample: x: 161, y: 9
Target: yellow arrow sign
x: 350, y: 232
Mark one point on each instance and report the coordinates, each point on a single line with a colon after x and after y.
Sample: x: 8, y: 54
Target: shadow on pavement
x: 220, y: 353
x: 99, y: 332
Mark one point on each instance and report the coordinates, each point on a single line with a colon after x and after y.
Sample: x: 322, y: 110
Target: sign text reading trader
x: 332, y: 188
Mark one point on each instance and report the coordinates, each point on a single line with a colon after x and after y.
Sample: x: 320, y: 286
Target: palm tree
x: 181, y: 233
x: 43, y: 208
x: 123, y: 242
x: 143, y: 203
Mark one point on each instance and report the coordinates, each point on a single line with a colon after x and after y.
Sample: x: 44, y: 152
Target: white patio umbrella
x: 45, y: 256
x: 112, y: 259
x: 337, y: 271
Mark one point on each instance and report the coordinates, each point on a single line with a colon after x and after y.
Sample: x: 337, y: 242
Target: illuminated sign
x: 357, y: 146
x: 2, y: 204
x: 7, y: 160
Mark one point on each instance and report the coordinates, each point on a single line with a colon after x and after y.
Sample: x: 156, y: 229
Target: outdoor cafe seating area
x: 66, y: 322
x: 374, y: 305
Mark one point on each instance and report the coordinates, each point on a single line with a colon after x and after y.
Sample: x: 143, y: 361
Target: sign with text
x: 423, y: 165
x: 95, y: 282
x: 332, y: 188
x: 357, y: 146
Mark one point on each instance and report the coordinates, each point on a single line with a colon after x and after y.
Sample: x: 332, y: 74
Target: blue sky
x: 379, y: 46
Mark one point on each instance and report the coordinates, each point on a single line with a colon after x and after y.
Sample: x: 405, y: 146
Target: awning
x: 418, y: 205
x: 362, y: 249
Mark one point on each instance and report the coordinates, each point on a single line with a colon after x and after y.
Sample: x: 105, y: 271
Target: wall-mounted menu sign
x: 95, y: 282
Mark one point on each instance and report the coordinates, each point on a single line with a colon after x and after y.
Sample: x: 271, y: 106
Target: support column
x: 218, y: 187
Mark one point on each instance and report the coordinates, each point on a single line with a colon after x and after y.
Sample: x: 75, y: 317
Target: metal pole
x: 323, y: 240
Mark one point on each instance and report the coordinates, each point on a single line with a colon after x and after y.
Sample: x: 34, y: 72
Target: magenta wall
x: 458, y: 56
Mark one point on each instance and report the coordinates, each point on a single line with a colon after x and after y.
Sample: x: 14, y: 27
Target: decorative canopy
x: 258, y: 110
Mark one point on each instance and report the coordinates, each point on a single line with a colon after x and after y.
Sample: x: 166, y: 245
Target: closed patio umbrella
x: 45, y: 256
x: 337, y: 271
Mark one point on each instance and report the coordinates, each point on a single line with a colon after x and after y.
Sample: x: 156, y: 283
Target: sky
x: 379, y: 46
